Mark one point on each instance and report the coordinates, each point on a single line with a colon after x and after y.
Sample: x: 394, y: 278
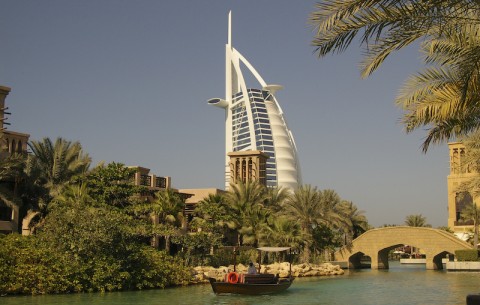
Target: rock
x: 311, y: 273
x: 200, y: 274
x: 283, y: 274
x: 216, y: 274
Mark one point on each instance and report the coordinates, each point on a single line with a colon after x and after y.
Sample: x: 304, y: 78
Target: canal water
x: 401, y: 284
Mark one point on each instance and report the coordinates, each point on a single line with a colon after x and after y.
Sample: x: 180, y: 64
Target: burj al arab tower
x: 254, y: 121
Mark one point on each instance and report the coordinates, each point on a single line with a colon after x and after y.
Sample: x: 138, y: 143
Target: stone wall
x: 201, y: 274
x: 463, y: 266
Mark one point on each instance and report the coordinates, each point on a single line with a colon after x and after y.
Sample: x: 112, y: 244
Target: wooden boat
x: 253, y: 284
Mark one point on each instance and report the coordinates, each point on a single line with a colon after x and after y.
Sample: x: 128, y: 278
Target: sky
x: 130, y: 81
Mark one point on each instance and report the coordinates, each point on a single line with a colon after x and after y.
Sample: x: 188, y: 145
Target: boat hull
x: 251, y: 289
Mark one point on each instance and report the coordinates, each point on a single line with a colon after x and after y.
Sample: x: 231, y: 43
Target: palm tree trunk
x: 167, y: 244
x: 475, y: 235
x: 306, y: 254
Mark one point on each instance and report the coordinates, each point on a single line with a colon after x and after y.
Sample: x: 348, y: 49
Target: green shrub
x: 151, y: 268
x: 84, y: 249
x: 196, y: 247
x: 28, y: 267
x: 466, y: 255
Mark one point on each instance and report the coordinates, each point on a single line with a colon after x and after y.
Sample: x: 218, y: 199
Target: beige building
x: 457, y: 200
x: 248, y: 165
x: 197, y: 195
x: 11, y: 142
x: 143, y: 177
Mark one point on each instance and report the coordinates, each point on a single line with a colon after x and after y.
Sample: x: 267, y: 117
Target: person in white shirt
x: 251, y: 269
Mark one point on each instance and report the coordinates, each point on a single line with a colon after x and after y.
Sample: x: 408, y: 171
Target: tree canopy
x: 444, y: 97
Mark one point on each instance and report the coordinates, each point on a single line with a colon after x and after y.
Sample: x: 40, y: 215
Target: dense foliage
x: 313, y: 221
x: 30, y: 266
x: 94, y: 228
x: 88, y: 236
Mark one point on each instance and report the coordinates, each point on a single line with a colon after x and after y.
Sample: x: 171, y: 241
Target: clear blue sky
x: 129, y: 80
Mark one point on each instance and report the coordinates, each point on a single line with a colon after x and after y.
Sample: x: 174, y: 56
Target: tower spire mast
x: 229, y: 77
x: 229, y: 28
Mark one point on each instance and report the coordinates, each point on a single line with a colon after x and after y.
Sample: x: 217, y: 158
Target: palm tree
x: 331, y: 213
x: 304, y: 206
x: 471, y: 212
x: 445, y: 95
x: 283, y: 231
x: 168, y: 206
x: 11, y: 175
x: 59, y: 161
x: 416, y: 220
x: 245, y: 201
x: 356, y: 222
x: 11, y: 166
x: 275, y: 196
x: 12, y: 171
x: 210, y: 213
x: 386, y: 26
x: 444, y: 99
x: 255, y: 224
x: 47, y: 170
x: 74, y: 194
x: 332, y: 216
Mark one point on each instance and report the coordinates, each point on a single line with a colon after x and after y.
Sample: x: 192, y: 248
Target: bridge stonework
x: 377, y: 243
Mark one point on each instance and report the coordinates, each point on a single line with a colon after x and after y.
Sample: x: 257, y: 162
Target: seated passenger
x: 251, y: 269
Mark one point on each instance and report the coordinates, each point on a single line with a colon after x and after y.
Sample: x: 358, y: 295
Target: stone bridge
x: 377, y: 243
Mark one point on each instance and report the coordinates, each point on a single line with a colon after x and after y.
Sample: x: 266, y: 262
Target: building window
x: 244, y: 170
x: 145, y: 180
x: 161, y: 182
x: 250, y: 169
x: 237, y: 169
x: 463, y: 169
x: 454, y: 164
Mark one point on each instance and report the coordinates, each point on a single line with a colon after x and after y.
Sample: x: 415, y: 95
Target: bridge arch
x: 377, y: 243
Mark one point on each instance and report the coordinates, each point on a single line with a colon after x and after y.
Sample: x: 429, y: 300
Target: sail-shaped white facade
x: 255, y: 121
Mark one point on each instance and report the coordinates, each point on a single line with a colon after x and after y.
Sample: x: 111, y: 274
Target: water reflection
x: 398, y: 285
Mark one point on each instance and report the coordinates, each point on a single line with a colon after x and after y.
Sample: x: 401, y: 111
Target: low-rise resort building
x: 11, y: 142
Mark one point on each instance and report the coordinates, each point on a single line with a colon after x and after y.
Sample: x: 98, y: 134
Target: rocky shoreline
x: 201, y: 274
